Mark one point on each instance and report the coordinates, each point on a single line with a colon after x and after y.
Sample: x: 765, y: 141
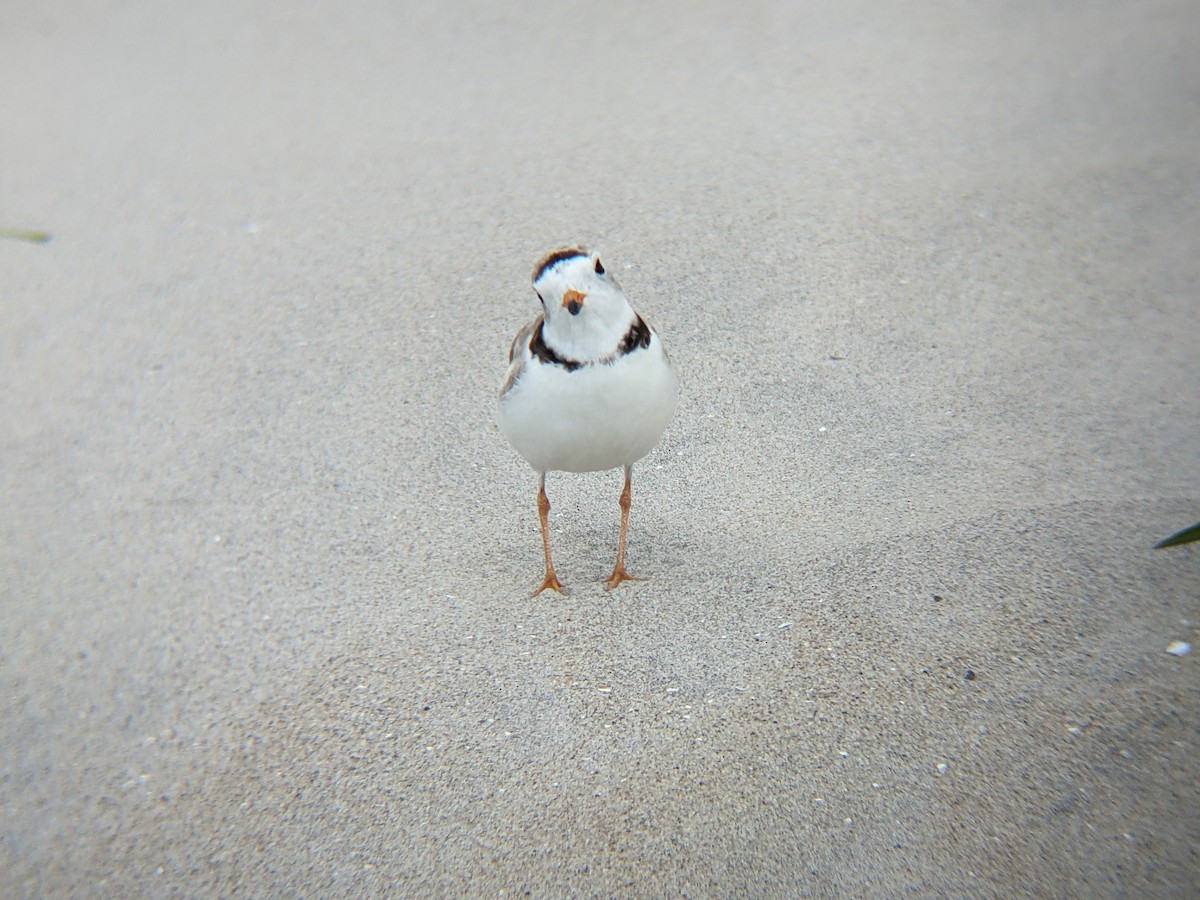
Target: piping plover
x: 589, y: 386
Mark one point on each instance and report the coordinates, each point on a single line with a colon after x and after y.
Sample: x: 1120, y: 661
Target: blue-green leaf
x: 1181, y: 537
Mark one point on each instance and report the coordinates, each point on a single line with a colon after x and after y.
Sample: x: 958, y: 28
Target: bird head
x: 586, y: 310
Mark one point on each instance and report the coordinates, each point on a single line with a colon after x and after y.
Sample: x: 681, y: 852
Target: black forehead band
x: 555, y: 258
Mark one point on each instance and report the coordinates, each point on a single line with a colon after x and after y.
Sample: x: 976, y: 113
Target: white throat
x: 593, y: 334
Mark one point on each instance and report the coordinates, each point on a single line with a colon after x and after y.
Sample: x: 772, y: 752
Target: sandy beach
x: 931, y: 279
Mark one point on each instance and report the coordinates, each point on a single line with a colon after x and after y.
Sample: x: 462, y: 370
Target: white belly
x: 596, y: 417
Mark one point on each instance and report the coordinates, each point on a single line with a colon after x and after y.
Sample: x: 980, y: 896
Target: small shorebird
x: 589, y: 386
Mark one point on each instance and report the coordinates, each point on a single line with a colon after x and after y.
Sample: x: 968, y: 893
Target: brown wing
x: 522, y: 338
x: 517, y: 354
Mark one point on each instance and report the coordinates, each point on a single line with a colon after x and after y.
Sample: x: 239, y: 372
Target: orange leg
x: 551, y: 580
x: 618, y: 573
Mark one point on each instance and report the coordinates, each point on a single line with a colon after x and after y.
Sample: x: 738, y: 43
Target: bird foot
x: 618, y: 575
x: 550, y: 582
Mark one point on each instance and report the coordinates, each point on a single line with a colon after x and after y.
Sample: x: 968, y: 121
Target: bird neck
x: 590, y: 336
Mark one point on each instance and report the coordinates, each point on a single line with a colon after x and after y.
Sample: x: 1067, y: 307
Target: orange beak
x: 573, y: 301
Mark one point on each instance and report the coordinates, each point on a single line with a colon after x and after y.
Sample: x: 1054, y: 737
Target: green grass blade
x: 22, y: 234
x: 1181, y: 537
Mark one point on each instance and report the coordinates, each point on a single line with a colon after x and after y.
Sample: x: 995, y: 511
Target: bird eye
x: 599, y: 268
